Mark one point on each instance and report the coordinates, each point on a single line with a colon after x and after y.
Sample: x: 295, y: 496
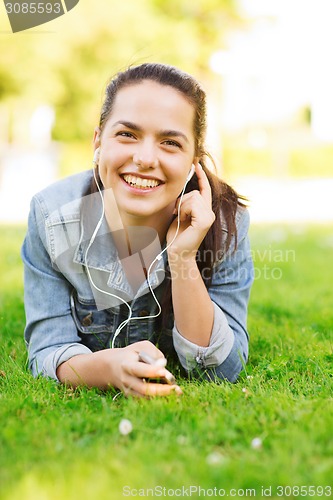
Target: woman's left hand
x: 196, y: 217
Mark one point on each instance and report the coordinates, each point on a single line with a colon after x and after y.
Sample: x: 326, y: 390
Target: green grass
x: 60, y: 443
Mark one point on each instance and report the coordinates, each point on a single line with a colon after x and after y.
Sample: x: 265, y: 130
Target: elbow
x: 34, y: 367
x: 230, y: 369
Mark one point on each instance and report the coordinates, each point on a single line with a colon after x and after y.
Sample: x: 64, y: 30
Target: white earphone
x: 96, y: 156
x: 190, y: 174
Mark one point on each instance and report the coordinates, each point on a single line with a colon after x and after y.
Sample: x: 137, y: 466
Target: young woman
x: 149, y: 252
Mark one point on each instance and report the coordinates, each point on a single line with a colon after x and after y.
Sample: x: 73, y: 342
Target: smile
x: 141, y: 183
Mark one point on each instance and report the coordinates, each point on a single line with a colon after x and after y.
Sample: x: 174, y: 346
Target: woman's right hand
x: 130, y: 375
x: 120, y: 368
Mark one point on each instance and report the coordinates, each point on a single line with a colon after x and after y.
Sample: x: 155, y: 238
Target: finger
x: 204, y: 186
x: 149, y: 348
x: 143, y: 370
x: 131, y: 392
x: 175, y: 211
x: 133, y: 386
x: 181, y: 200
x: 146, y: 358
x: 153, y: 389
x: 185, y: 212
x: 181, y: 203
x: 142, y: 388
x: 192, y: 206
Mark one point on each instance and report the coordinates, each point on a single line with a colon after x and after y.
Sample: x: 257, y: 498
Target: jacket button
x: 87, y: 320
x: 143, y: 313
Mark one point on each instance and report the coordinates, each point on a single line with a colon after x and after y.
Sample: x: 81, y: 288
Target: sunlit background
x: 265, y: 64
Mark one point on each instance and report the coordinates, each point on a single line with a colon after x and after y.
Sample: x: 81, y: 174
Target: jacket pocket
x: 94, y: 327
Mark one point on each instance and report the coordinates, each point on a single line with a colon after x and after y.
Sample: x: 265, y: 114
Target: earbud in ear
x: 96, y: 156
x: 190, y: 174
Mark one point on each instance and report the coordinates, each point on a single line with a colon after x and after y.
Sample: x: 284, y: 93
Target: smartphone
x: 167, y: 379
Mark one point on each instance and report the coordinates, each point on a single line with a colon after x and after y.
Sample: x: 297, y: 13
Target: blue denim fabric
x: 66, y: 316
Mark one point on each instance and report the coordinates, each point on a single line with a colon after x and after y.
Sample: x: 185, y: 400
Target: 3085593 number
x: 33, y: 8
x: 303, y: 491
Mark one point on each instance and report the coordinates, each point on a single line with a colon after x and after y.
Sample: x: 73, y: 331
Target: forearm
x: 120, y: 368
x: 193, y: 308
x: 89, y: 370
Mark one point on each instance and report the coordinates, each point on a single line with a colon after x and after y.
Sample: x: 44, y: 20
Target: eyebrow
x: 167, y: 133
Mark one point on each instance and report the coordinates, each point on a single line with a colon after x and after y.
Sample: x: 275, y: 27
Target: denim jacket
x: 66, y: 315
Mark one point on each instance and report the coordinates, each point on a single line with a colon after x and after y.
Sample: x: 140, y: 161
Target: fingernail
x: 161, y: 362
x: 178, y: 390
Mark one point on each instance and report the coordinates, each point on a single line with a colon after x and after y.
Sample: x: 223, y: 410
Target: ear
x: 97, y: 137
x: 96, y: 156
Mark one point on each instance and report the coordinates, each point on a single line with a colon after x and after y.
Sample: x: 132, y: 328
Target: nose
x: 146, y: 155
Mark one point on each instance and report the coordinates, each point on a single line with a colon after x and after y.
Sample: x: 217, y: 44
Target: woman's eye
x: 125, y: 134
x: 172, y: 143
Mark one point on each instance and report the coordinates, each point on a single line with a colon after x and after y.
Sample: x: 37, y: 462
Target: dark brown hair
x: 225, y: 200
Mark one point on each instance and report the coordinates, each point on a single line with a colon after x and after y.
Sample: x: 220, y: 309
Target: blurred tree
x: 184, y: 33
x: 209, y: 21
x: 68, y: 68
x: 8, y: 84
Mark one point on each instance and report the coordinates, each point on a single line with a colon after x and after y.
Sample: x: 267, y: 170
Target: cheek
x: 114, y: 155
x: 108, y: 167
x: 176, y: 168
x: 106, y: 173
x: 176, y: 186
x: 177, y: 176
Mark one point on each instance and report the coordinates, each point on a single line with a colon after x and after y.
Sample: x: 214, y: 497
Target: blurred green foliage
x: 68, y: 62
x: 70, y: 66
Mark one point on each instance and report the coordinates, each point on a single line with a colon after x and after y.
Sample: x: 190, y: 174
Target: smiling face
x: 147, y: 147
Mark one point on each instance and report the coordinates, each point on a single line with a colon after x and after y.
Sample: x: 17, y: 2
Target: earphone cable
x: 156, y: 259
x: 159, y: 256
x: 92, y: 239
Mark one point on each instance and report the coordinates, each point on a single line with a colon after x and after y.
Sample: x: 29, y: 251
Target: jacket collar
x: 97, y: 250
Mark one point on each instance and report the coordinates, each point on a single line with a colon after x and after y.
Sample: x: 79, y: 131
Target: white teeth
x: 138, y: 182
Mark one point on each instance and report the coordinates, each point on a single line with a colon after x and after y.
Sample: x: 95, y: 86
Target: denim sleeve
x: 50, y: 333
x: 229, y: 291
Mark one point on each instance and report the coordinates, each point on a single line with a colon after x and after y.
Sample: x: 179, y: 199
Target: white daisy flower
x: 215, y: 458
x: 181, y: 440
x: 125, y: 427
x: 256, y: 443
